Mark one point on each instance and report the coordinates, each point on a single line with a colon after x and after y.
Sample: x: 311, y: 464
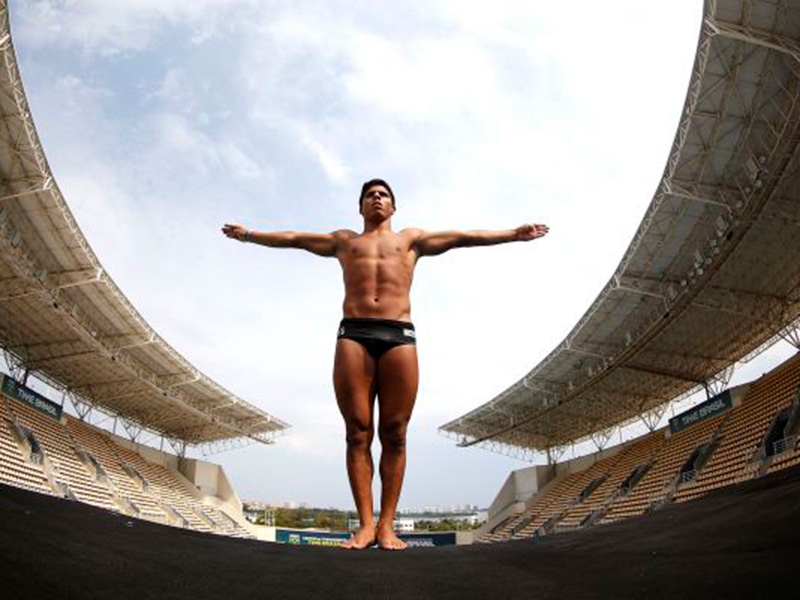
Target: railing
x: 66, y: 491
x: 521, y: 525
x: 688, y: 476
x: 784, y: 445
x: 132, y: 507
x: 563, y: 527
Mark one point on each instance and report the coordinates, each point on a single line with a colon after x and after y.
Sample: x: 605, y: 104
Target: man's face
x: 377, y: 203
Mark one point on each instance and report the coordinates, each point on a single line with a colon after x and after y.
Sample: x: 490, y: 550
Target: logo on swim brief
x: 410, y: 333
x: 341, y: 331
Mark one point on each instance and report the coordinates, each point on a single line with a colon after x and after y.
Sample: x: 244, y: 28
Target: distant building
x: 404, y: 525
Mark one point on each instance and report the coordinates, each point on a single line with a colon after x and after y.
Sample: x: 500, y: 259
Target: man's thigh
x: 398, y: 380
x: 354, y: 381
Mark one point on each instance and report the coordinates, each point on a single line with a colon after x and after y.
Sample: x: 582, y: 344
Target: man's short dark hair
x: 372, y: 183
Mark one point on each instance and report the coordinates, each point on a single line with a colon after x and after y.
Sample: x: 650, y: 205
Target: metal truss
x: 603, y: 437
x: 652, y: 417
x: 555, y: 453
x: 82, y: 408
x: 516, y: 451
x: 719, y: 383
x: 757, y: 37
x: 212, y: 448
x: 178, y: 446
x: 15, y: 366
x: 791, y: 334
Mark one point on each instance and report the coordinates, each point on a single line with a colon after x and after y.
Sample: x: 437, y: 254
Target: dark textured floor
x: 743, y: 542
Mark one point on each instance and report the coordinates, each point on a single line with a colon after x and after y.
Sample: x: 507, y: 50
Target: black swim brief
x: 377, y: 335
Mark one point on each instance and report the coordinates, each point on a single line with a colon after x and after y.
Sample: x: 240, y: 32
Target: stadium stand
x: 742, y: 453
x: 570, y: 502
x: 655, y: 486
x: 173, y: 492
x: 748, y: 440
x: 543, y: 516
x: 69, y: 458
x: 632, y: 462
x: 133, y: 491
x: 16, y: 466
x: 60, y: 457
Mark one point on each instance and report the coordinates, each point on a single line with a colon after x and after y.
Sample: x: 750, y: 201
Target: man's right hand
x: 530, y: 231
x: 236, y: 232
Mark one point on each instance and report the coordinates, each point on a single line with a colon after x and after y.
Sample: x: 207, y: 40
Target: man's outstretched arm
x: 322, y: 244
x: 431, y: 243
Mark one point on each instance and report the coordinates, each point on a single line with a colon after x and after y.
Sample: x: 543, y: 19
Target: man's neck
x: 384, y: 226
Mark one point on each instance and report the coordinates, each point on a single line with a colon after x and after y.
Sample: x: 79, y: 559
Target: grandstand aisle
x: 15, y: 468
x: 738, y: 542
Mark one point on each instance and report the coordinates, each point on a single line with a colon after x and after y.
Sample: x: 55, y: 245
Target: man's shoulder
x: 412, y: 233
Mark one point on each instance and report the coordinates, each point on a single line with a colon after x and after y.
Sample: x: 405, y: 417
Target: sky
x: 164, y: 119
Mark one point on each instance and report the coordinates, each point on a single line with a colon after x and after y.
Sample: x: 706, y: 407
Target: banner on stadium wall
x: 14, y: 389
x: 710, y: 408
x: 324, y: 538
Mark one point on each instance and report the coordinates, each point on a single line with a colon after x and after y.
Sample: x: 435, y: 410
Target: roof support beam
x: 676, y: 190
x: 150, y: 340
x: 791, y: 335
x: 86, y: 276
x: 18, y: 288
x: 665, y: 373
x: 756, y: 37
x: 39, y: 363
x: 732, y: 311
x: 46, y: 186
x: 101, y: 388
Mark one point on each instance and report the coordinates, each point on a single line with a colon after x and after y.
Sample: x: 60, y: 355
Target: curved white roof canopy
x: 713, y: 272
x: 63, y: 318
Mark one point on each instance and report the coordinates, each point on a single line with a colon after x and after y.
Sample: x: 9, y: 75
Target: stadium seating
x: 659, y: 481
x: 15, y: 468
x: 717, y: 452
x: 172, y: 492
x: 634, y: 455
x: 550, y: 505
x: 81, y: 462
x: 68, y: 471
x: 742, y: 436
x: 566, y: 494
x: 102, y: 449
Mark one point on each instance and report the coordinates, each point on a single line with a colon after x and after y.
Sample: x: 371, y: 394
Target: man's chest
x: 391, y: 248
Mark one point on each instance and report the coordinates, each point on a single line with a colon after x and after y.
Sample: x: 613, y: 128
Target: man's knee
x: 393, y: 434
x: 359, y: 435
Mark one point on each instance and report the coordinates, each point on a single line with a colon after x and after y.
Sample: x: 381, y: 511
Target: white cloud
x: 330, y: 163
x: 112, y: 28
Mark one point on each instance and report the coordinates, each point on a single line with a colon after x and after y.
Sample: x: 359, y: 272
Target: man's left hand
x: 531, y: 231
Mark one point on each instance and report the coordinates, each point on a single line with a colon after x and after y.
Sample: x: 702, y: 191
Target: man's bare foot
x: 387, y: 539
x: 363, y: 538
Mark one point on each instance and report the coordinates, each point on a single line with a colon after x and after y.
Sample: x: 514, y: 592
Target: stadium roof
x: 63, y: 318
x: 713, y: 272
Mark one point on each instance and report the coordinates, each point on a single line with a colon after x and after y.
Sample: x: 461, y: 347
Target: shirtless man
x: 376, y: 353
